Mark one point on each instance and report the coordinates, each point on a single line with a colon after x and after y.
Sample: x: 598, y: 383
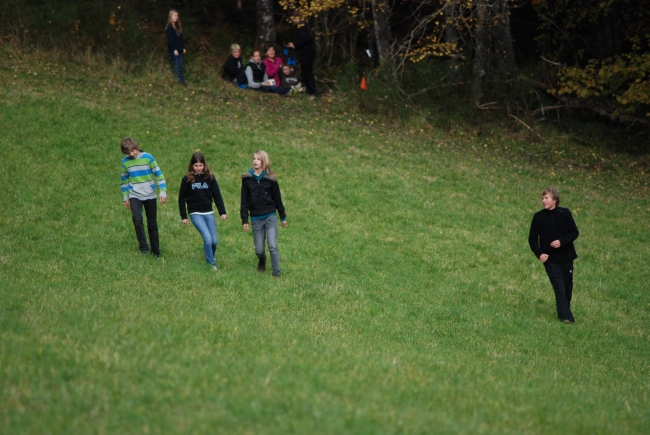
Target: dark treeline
x: 584, y: 53
x: 567, y: 31
x: 130, y: 29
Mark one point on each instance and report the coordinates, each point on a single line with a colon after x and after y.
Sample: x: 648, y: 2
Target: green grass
x: 409, y: 302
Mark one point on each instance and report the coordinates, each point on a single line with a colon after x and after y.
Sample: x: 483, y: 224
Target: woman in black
x: 551, y: 237
x: 304, y: 46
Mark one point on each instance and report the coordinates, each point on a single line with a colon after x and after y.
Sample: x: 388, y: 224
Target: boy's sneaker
x: 214, y: 267
x: 261, y: 267
x: 312, y: 97
x: 144, y: 253
x: 276, y: 275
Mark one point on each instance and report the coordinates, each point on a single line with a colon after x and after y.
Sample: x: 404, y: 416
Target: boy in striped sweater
x: 139, y: 171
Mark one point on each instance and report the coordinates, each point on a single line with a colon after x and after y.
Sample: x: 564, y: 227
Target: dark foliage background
x: 132, y: 29
x: 565, y: 33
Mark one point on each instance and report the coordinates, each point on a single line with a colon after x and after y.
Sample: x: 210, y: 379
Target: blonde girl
x: 261, y: 198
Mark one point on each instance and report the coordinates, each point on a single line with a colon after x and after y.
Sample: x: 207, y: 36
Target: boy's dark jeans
x: 561, y: 277
x: 152, y: 225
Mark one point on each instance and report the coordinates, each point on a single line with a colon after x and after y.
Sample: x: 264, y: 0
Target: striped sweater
x: 138, y: 176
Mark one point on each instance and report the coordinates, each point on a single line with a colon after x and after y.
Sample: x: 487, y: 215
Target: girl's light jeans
x: 207, y: 227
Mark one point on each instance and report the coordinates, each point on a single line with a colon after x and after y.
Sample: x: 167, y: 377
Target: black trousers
x: 561, y: 277
x: 307, y: 70
x: 150, y: 209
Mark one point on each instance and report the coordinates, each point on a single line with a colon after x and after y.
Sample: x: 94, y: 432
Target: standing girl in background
x: 260, y: 196
x: 175, y: 43
x: 198, y: 189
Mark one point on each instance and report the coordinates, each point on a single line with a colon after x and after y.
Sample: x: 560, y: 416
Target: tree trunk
x: 610, y: 36
x: 265, y: 24
x: 481, y: 49
x: 380, y: 16
x: 452, y: 36
x: 503, y: 38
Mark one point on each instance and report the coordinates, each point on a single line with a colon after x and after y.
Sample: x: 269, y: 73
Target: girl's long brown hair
x: 169, y: 20
x: 198, y: 157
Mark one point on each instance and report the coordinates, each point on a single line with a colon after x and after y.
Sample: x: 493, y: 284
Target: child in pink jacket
x: 273, y: 65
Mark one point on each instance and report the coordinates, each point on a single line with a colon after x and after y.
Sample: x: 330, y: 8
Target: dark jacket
x: 232, y: 68
x: 255, y: 74
x: 174, y: 39
x: 260, y: 198
x: 199, y: 195
x: 548, y: 226
x: 290, y: 81
x: 302, y: 41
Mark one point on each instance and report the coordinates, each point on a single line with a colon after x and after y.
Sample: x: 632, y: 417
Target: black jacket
x: 260, y: 198
x: 232, y: 68
x: 199, y: 195
x: 174, y: 39
x: 258, y: 69
x: 290, y: 81
x: 548, y: 226
x: 302, y: 41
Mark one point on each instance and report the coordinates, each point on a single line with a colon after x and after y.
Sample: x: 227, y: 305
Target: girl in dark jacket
x: 260, y: 196
x: 175, y: 43
x: 198, y: 189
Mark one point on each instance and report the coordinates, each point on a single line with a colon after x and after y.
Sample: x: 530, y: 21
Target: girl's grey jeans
x: 267, y: 228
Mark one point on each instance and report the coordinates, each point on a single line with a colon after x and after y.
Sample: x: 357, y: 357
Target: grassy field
x: 409, y: 303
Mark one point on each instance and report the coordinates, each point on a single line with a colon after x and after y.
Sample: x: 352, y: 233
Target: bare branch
x: 526, y: 125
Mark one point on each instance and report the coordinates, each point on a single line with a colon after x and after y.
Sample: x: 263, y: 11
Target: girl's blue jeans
x: 207, y: 227
x: 267, y: 228
x: 177, y: 63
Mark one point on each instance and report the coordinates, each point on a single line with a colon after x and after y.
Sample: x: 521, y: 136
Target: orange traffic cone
x: 364, y: 85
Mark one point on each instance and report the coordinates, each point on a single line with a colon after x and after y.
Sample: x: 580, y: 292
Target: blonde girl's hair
x: 266, y: 162
x: 198, y: 157
x: 169, y: 20
x: 235, y: 47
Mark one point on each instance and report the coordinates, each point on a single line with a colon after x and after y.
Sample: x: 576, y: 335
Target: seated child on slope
x: 291, y: 79
x: 273, y: 65
x: 234, y: 65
